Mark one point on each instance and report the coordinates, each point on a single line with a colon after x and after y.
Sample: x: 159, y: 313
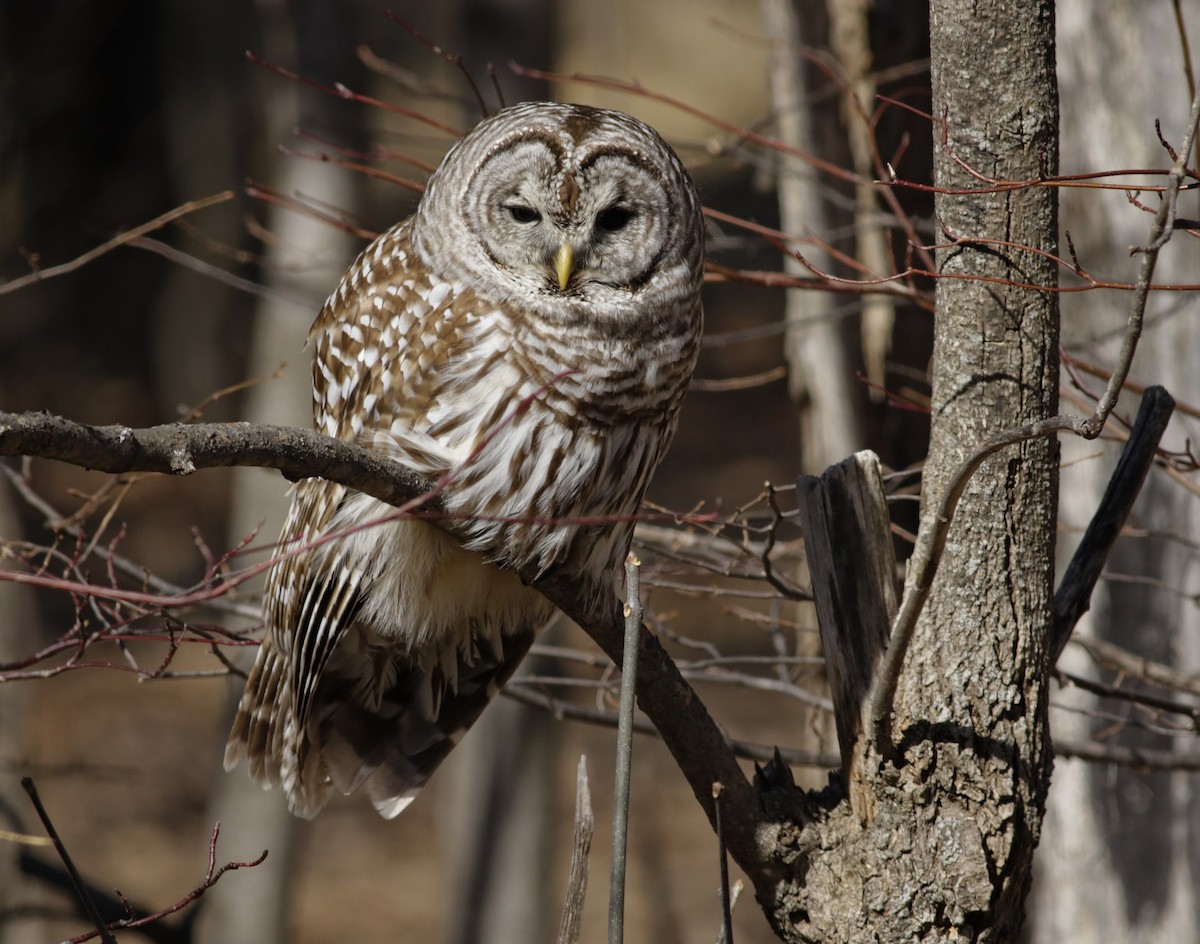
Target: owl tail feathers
x: 268, y: 744
x: 385, y: 737
x: 389, y: 748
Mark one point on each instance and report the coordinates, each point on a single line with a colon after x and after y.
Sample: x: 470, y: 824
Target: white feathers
x: 438, y: 294
x: 425, y: 587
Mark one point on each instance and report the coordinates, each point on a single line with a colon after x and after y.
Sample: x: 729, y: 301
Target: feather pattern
x: 542, y: 409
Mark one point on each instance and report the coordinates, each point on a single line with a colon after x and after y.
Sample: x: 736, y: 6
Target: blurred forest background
x: 112, y: 114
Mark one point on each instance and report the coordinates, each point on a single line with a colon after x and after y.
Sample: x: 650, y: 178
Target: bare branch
x: 1135, y: 757
x: 1075, y: 590
x: 620, y: 829
x: 1160, y: 233
x: 127, y: 237
x: 211, y: 877
x: 699, y: 747
x: 76, y: 879
x: 179, y: 449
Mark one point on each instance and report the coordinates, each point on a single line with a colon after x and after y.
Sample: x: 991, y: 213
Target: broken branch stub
x: 847, y: 533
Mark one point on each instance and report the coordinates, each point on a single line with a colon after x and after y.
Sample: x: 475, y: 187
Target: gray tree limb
x: 699, y: 747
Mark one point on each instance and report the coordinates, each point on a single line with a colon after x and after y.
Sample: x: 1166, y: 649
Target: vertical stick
x: 577, y: 877
x: 633, y: 629
x: 726, y: 935
x: 76, y: 879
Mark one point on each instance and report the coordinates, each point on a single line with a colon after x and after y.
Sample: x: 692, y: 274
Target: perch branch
x: 701, y: 750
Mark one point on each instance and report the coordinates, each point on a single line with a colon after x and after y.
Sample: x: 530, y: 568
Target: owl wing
x: 335, y: 698
x: 306, y: 615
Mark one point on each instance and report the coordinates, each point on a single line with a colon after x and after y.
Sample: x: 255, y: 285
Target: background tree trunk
x: 820, y: 341
x: 298, y: 271
x: 1120, y: 854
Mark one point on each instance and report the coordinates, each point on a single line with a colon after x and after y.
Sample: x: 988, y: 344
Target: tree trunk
x: 974, y: 700
x: 942, y: 848
x: 818, y: 347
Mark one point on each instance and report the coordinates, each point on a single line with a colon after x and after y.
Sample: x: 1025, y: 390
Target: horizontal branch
x: 701, y: 750
x: 1122, y: 756
x: 181, y: 449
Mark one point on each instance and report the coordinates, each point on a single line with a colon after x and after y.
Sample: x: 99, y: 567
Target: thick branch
x: 180, y: 449
x: 697, y: 744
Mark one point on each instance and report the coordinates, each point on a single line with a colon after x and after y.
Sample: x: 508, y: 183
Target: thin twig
x: 76, y: 879
x: 620, y: 833
x: 211, y: 876
x: 1160, y: 233
x: 1141, y: 699
x: 453, y: 59
x: 1135, y: 757
x: 1110, y: 656
x: 723, y: 863
x: 129, y: 236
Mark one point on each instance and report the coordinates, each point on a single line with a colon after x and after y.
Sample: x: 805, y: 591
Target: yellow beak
x: 564, y: 263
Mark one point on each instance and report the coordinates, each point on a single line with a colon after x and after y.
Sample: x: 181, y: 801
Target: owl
x: 524, y: 340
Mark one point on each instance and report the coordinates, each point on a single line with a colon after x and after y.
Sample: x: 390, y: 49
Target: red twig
x: 342, y: 92
x: 211, y: 877
x: 453, y: 59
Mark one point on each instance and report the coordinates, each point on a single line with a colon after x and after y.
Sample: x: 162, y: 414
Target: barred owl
x: 525, y: 339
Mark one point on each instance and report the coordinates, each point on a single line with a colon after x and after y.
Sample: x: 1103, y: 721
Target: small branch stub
x: 571, y: 925
x: 847, y: 533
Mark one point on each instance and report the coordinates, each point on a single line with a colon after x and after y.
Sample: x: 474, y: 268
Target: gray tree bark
x: 942, y: 846
x: 977, y: 682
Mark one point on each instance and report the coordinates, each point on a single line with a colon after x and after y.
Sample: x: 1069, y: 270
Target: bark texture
x: 973, y: 704
x: 945, y: 852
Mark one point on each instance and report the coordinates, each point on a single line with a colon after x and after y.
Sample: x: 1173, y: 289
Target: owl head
x: 578, y: 214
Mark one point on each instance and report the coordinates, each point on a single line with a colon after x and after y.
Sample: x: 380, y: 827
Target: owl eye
x: 523, y: 214
x: 614, y: 219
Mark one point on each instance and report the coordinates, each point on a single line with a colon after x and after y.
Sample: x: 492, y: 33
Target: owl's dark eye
x: 614, y: 219
x: 523, y: 214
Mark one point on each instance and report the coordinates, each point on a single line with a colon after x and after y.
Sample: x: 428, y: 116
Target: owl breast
x: 539, y: 437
